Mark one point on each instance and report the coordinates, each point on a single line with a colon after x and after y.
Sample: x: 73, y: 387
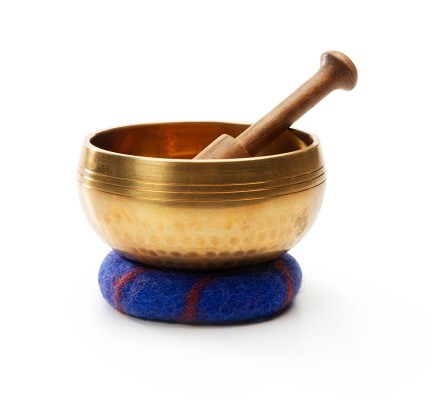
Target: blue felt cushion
x: 221, y: 297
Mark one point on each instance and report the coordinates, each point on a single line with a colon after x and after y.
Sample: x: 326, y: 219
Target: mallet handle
x: 336, y: 71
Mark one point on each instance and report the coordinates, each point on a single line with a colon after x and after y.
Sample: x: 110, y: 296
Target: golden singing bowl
x: 150, y: 202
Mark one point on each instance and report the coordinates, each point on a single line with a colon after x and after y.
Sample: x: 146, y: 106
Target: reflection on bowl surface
x: 147, y: 199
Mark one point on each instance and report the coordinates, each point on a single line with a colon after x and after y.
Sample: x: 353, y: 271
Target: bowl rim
x: 315, y: 141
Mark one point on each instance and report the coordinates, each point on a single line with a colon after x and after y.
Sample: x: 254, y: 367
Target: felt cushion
x: 222, y: 297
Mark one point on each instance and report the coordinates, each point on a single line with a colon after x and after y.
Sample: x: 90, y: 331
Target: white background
x: 360, y: 328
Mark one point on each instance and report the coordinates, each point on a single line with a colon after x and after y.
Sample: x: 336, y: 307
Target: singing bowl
x: 149, y: 201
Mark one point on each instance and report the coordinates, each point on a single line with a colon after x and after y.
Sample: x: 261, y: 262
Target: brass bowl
x: 148, y: 200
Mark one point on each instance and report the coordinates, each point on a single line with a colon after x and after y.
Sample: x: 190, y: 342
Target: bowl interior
x: 183, y: 140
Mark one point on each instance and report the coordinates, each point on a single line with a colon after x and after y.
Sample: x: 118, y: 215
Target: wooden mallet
x: 336, y: 71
